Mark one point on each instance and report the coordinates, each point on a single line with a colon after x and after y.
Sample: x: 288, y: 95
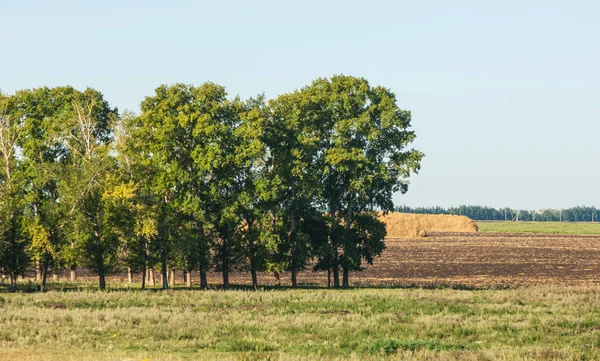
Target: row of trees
x: 574, y: 214
x: 199, y: 181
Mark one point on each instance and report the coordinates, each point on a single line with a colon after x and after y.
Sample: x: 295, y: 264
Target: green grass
x: 541, y: 323
x: 540, y: 227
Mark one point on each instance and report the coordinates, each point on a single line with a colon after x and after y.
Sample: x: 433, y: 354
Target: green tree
x: 13, y: 258
x: 88, y: 185
x: 292, y: 134
x: 364, y: 161
x: 45, y: 158
x: 184, y: 142
x: 257, y: 199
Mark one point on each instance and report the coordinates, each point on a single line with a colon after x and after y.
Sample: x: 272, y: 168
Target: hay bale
x: 406, y: 225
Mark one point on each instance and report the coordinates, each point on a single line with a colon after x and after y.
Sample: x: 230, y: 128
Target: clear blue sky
x: 505, y: 95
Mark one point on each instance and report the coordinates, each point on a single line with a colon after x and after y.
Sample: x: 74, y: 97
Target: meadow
x: 539, y: 322
x: 540, y: 227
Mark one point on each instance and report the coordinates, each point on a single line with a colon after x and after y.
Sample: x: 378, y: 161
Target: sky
x: 505, y: 95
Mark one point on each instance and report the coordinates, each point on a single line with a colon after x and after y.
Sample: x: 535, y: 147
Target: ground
x: 447, y: 296
x: 540, y: 227
x: 537, y: 322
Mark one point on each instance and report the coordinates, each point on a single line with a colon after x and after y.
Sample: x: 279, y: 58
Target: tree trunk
x: 336, y: 276
x: 345, y: 281
x: 129, y: 275
x: 225, y: 278
x: 188, y: 278
x: 165, y: 279
x: 151, y: 279
x: 203, y: 280
x: 38, y: 270
x: 328, y: 275
x: 144, y: 276
x: 294, y: 273
x: 172, y: 278
x: 294, y: 264
x: 336, y: 270
x: 254, y: 277
x: 225, y: 265
x: 45, y: 271
x: 102, y: 280
x: 13, y: 283
x: 252, y: 246
x: 276, y: 274
x: 73, y: 274
x: 345, y: 267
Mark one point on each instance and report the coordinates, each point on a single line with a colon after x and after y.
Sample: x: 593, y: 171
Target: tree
x: 185, y: 145
x: 258, y: 233
x: 364, y: 162
x: 12, y: 192
x: 45, y: 158
x: 88, y: 187
x: 292, y: 134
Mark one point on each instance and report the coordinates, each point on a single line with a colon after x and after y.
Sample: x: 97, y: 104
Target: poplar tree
x: 185, y: 145
x: 45, y: 158
x: 293, y: 137
x: 13, y: 258
x: 364, y: 160
x: 88, y: 184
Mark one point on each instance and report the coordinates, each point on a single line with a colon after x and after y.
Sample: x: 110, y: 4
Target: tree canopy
x: 201, y: 181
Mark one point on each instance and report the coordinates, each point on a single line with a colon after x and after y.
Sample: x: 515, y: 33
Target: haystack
x: 405, y: 225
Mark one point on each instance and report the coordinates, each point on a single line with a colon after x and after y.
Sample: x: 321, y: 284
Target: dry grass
x: 405, y: 225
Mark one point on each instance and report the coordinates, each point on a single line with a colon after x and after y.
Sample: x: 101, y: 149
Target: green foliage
x: 198, y: 180
x: 363, y: 158
x: 13, y: 186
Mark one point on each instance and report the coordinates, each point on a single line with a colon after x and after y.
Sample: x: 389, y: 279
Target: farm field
x: 538, y: 322
x: 448, y: 296
x: 464, y: 260
x: 480, y: 260
x: 540, y: 227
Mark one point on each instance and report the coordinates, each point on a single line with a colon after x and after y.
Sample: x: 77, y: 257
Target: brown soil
x: 460, y: 259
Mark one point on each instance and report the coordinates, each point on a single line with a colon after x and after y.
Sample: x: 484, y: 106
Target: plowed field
x: 472, y: 259
x: 480, y: 259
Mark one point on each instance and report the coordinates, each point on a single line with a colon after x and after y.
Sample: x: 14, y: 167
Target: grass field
x: 540, y: 227
x: 541, y: 323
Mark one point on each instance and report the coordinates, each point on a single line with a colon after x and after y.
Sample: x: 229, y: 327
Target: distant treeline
x: 574, y: 214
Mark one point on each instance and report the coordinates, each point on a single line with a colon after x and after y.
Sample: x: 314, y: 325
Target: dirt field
x: 488, y: 259
x: 472, y: 259
x: 479, y: 259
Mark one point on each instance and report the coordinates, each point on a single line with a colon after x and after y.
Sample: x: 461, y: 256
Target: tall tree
x: 292, y: 135
x: 364, y: 161
x: 45, y: 158
x: 257, y: 198
x: 12, y: 192
x: 184, y: 142
x: 88, y: 184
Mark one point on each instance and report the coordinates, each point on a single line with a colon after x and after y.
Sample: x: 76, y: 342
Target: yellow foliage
x: 146, y: 227
x: 40, y: 239
x: 123, y: 191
